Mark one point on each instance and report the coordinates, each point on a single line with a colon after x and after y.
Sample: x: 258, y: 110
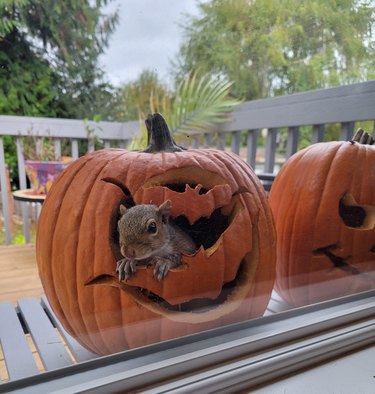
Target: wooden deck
x: 19, y: 273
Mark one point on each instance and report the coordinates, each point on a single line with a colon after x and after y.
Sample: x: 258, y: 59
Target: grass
x: 17, y: 231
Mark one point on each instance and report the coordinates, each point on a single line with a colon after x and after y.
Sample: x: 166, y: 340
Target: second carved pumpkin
x: 323, y: 201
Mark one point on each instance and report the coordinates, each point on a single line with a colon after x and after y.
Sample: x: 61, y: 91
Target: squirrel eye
x: 152, y: 228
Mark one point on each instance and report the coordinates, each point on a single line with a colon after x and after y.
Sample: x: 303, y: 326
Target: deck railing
x: 264, y: 132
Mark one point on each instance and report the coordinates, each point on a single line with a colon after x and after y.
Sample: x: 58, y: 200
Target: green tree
x: 49, y: 56
x: 281, y: 46
x: 49, y: 61
x: 28, y: 85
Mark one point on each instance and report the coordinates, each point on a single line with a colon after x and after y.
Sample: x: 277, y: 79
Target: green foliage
x: 7, y: 20
x: 19, y: 239
x: 28, y: 86
x: 197, y: 105
x: 17, y: 233
x: 38, y: 149
x: 72, y: 33
x: 281, y: 46
x: 138, y: 96
x: 49, y: 58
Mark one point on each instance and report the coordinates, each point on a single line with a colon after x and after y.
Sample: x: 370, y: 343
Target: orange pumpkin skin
x: 76, y: 247
x: 321, y: 252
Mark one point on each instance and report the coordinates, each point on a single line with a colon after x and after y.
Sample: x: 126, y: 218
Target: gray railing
x: 264, y: 132
x: 72, y: 131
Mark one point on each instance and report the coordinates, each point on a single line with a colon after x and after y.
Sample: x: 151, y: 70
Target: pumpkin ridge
x: 336, y: 147
x: 358, y: 151
x: 295, y: 222
x: 131, y: 164
x: 340, y: 146
x: 237, y: 161
x: 77, y: 290
x: 302, y: 196
x: 94, y: 294
x: 75, y: 167
x: 221, y: 158
x: 277, y: 200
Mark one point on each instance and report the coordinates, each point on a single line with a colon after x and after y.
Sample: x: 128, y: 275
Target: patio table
x: 27, y: 195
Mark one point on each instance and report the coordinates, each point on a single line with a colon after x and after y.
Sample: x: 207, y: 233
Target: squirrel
x: 148, y: 235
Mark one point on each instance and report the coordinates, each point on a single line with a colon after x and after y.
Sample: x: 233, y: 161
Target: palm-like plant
x: 198, y: 104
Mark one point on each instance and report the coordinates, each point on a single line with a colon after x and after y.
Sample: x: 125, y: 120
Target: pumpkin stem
x: 363, y: 137
x: 159, y: 138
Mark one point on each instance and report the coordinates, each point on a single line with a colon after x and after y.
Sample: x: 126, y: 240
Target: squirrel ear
x: 165, y: 209
x: 122, y: 209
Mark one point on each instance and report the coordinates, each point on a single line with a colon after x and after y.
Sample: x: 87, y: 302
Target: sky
x: 147, y: 37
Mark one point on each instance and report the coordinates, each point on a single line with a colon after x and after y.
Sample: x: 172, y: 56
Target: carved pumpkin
x: 323, y: 201
x: 215, y: 197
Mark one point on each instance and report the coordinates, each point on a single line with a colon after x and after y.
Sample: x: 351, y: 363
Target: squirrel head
x: 143, y: 229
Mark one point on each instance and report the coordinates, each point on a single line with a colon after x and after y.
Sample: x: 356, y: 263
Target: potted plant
x: 41, y: 165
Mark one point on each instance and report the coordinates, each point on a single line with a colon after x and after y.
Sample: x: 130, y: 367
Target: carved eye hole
x: 372, y: 249
x: 152, y: 228
x: 356, y: 215
x: 352, y: 216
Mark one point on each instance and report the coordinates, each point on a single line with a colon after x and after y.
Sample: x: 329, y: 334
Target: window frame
x: 239, y: 356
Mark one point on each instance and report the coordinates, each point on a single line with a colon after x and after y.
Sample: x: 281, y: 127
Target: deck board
x: 16, y: 351
x: 19, y: 273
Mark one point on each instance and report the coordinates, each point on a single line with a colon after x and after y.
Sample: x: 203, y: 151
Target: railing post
x: 317, y: 133
x: 347, y: 131
x: 57, y: 145
x: 4, y: 195
x: 90, y: 145
x: 221, y: 140
x: 270, y: 150
x: 195, y: 141
x: 292, y: 143
x: 252, y: 142
x: 207, y: 140
x: 123, y: 144
x: 23, y: 185
x: 75, y: 153
x: 236, y: 142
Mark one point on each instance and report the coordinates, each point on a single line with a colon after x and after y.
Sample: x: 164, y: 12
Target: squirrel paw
x: 164, y: 264
x: 126, y: 268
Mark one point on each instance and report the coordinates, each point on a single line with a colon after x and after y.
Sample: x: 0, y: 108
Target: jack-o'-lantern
x: 216, y: 198
x: 323, y: 201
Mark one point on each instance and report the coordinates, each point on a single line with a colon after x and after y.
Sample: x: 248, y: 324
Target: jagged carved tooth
x: 198, y: 188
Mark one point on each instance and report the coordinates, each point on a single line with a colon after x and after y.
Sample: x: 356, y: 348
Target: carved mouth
x: 197, y: 310
x: 198, y: 305
x: 339, y: 262
x: 194, y: 309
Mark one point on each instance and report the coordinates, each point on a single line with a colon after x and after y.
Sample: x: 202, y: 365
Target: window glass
x: 217, y: 166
